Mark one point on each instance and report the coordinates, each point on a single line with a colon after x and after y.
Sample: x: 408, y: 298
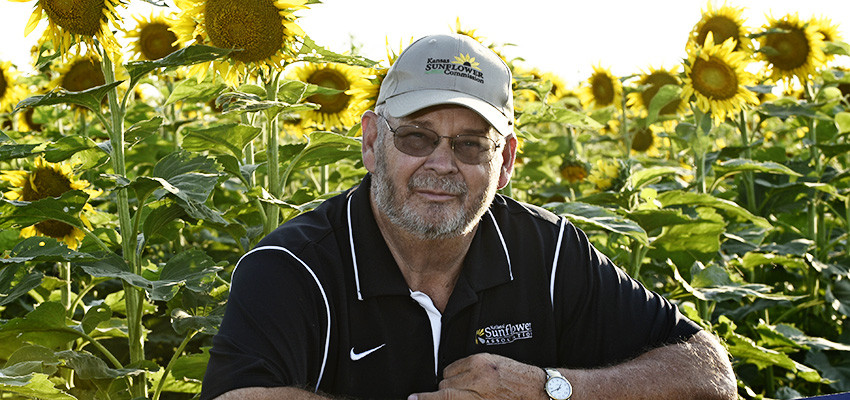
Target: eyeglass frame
x: 451, y: 140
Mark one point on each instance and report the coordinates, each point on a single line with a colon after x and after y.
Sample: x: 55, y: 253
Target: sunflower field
x: 138, y: 164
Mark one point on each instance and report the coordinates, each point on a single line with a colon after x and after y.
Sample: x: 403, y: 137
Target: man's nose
x: 442, y: 160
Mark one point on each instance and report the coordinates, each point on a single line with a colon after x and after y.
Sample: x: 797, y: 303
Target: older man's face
x: 434, y: 196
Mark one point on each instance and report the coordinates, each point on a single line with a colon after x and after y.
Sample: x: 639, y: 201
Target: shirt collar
x: 376, y: 273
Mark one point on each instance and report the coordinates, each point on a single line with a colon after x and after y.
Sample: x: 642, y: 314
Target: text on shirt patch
x: 503, y: 333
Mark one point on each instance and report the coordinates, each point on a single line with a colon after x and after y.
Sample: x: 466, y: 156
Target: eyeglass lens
x: 421, y: 142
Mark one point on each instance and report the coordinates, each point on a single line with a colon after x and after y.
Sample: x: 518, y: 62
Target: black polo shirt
x: 320, y: 303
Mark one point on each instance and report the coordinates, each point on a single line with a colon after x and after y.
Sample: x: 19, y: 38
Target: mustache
x: 431, y: 182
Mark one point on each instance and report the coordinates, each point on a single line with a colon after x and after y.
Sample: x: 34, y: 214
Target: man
x: 422, y: 283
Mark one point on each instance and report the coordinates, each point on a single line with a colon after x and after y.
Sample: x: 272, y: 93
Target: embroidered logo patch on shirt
x: 503, y: 333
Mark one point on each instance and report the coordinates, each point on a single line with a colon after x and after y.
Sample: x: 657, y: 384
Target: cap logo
x: 462, y: 66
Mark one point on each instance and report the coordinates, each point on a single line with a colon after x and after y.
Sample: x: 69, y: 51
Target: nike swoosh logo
x: 357, y: 356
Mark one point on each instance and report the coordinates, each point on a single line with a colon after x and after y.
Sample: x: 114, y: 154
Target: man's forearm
x: 274, y: 393
x: 696, y: 369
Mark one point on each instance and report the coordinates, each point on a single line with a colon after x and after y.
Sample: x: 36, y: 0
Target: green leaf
x: 192, y: 366
x: 37, y: 386
x: 842, y: 122
x: 247, y: 102
x: 600, y: 217
x: 189, y: 55
x: 160, y: 218
x: 643, y: 177
x: 698, y: 236
x: 89, y: 367
x: 43, y: 249
x: 651, y: 220
x: 802, y: 339
x: 665, y: 95
x: 189, y: 269
x: 89, y: 98
x: 222, y: 139
x: 833, y: 150
x: 678, y: 198
x: 741, y: 165
x: 65, y: 208
x: 323, y: 148
x: 312, y: 52
x: 94, y: 316
x: 791, y: 109
x: 537, y: 113
x: 142, y: 130
x: 16, y: 282
x: 15, y: 151
x: 838, y: 374
x: 45, y: 325
x: 752, y: 260
x: 183, y: 322
x: 67, y: 146
x: 192, y: 91
x: 113, y: 266
x: 29, y: 359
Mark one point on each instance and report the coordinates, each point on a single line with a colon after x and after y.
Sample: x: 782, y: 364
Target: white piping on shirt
x: 353, y: 255
x: 321, y: 290
x: 436, y: 319
x: 555, y: 262
x: 504, y: 246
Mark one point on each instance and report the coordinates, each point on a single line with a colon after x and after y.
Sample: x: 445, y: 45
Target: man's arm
x: 274, y: 393
x: 696, y: 369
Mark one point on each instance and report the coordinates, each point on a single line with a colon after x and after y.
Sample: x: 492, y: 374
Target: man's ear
x: 508, y: 158
x: 369, y: 126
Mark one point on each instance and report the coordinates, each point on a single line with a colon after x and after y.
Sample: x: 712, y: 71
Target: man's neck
x: 430, y: 266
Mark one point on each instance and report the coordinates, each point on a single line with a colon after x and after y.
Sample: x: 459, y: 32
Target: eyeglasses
x: 421, y: 142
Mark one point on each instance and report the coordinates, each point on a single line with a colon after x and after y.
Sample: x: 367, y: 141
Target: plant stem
x: 132, y: 294
x: 170, y: 365
x: 65, y: 276
x: 272, y: 158
x: 749, y: 183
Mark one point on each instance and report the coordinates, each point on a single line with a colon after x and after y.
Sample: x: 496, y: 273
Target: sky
x: 565, y: 37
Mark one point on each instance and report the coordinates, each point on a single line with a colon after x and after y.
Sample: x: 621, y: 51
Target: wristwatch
x: 557, y: 387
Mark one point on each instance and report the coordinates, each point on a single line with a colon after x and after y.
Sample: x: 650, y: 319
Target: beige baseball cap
x: 450, y: 69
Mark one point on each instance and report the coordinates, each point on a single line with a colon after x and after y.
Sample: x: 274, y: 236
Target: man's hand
x: 488, y: 376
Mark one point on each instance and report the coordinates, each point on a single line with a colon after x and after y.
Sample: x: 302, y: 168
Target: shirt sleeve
x: 606, y: 316
x: 273, y: 330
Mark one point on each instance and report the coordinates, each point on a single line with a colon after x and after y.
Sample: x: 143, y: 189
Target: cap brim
x: 408, y: 103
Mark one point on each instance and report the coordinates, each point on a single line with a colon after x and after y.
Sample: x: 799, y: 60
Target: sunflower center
x: 43, y: 183
x: 714, y: 78
x: 254, y: 26
x: 84, y: 74
x: 156, y: 41
x: 330, y: 103
x: 791, y: 48
x: 55, y: 229
x: 721, y: 27
x: 656, y: 81
x: 643, y: 140
x: 603, y: 89
x: 81, y: 17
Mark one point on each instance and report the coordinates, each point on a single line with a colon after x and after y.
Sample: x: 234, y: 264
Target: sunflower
x: 335, y: 110
x: 604, y: 174
x: 10, y: 91
x: 654, y: 80
x: 152, y: 38
x: 603, y: 90
x: 574, y: 171
x: 723, y: 23
x: 78, y: 74
x: 715, y: 76
x: 646, y: 141
x: 263, y: 32
x: 793, y: 48
x: 46, y: 179
x: 829, y: 31
x: 78, y: 21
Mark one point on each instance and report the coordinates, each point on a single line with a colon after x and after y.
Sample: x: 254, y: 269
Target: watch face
x: 558, y: 388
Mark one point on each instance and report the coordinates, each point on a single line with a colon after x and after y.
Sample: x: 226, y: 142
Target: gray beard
x: 444, y: 223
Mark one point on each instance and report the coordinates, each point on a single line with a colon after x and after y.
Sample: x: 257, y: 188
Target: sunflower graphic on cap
x: 465, y: 59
